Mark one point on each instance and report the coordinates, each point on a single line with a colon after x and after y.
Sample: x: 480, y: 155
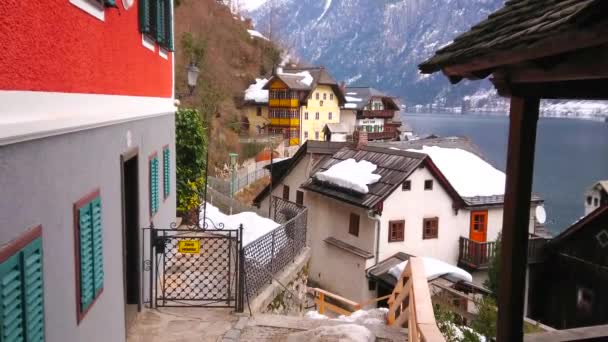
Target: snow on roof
x: 254, y: 225
x: 256, y: 93
x: 350, y: 174
x: 352, y: 99
x: 470, y: 175
x: 306, y: 77
x: 350, y: 106
x: 434, y: 268
x: 256, y: 34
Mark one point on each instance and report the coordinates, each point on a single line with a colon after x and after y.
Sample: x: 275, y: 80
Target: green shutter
x: 11, y: 299
x: 169, y: 24
x: 87, y: 290
x: 145, y: 16
x: 160, y: 21
x: 34, y: 291
x: 96, y: 223
x: 166, y: 174
x: 154, y: 185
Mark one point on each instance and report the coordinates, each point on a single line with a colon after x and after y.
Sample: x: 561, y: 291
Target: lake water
x: 570, y: 155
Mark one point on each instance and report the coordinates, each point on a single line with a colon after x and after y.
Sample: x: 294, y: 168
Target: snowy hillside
x: 376, y: 42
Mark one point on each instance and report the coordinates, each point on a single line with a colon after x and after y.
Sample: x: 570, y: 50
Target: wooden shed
x: 532, y: 50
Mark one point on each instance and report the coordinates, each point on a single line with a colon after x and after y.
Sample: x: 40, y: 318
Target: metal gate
x: 195, y: 267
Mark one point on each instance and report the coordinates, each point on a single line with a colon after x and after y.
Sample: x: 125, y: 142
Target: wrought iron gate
x: 195, y: 267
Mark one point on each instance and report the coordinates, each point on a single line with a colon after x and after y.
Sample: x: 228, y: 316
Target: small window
x: 321, y: 103
x: 331, y: 97
x: 305, y: 115
x: 89, y: 251
x: 22, y: 285
x: 155, y: 21
x: 316, y: 135
x: 305, y: 134
x: 166, y: 172
x: 353, y: 225
x: 406, y: 186
x: 259, y: 113
x: 430, y: 228
x: 317, y: 116
x: 299, y: 197
x: 286, y: 192
x: 596, y: 201
x: 324, y: 96
x: 317, y: 96
x: 428, y: 184
x: 153, y: 166
x: 589, y: 199
x: 329, y: 116
x: 396, y: 231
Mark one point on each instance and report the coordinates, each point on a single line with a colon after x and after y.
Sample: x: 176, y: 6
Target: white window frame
x: 90, y: 7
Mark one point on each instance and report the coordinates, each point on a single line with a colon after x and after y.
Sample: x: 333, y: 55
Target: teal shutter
x: 154, y: 185
x: 87, y: 290
x: 166, y: 174
x: 34, y: 291
x: 11, y: 299
x: 160, y: 21
x: 169, y: 26
x: 96, y: 223
x: 145, y: 16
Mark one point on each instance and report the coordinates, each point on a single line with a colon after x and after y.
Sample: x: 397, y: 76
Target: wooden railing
x: 475, y: 254
x: 327, y: 301
x: 377, y: 113
x: 381, y: 135
x: 478, y: 255
x: 411, y: 303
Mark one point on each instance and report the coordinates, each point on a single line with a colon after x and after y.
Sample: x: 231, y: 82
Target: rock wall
x: 293, y: 300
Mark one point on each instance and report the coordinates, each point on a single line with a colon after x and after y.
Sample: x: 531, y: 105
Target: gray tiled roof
x: 516, y: 26
x: 393, y: 166
x: 366, y: 94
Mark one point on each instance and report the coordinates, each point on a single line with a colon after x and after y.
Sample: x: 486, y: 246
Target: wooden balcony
x: 478, y: 255
x: 285, y: 122
x: 382, y: 135
x: 284, y: 103
x: 369, y: 114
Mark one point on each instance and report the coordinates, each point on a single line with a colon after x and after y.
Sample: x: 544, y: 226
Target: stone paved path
x: 182, y: 325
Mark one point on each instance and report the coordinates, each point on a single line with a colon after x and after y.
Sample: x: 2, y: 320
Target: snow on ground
x: 255, y: 91
x: 256, y: 34
x: 343, y: 333
x: 306, y: 77
x: 469, y: 174
x: 457, y: 331
x: 350, y: 174
x: 367, y: 317
x: 434, y: 268
x: 327, y: 6
x: 254, y: 225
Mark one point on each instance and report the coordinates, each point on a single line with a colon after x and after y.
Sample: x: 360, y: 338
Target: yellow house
x: 301, y: 102
x: 255, y: 108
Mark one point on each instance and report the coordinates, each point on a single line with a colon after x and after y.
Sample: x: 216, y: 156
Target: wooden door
x: 479, y: 226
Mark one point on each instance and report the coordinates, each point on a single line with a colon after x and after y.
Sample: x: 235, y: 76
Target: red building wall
x: 54, y: 46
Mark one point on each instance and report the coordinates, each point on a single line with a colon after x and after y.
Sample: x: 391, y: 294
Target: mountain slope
x: 381, y: 41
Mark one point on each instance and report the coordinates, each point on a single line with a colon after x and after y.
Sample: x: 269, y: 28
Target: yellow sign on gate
x: 189, y: 247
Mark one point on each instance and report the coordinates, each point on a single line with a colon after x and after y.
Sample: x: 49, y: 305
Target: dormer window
x: 589, y: 200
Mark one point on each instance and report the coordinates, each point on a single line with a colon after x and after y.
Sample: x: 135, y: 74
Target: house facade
x: 596, y: 196
x: 413, y: 209
x: 87, y: 158
x: 255, y: 108
x: 372, y: 111
x: 301, y: 102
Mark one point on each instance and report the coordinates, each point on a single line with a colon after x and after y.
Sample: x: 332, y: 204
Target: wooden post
x: 518, y: 193
x: 322, y: 303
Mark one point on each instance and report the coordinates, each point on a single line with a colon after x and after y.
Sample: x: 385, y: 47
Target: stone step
x: 277, y: 328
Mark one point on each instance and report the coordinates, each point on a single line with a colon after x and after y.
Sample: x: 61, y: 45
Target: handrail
x: 411, y: 303
x: 319, y: 299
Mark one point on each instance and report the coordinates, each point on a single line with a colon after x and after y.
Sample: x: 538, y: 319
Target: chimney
x: 360, y: 139
x: 343, y: 86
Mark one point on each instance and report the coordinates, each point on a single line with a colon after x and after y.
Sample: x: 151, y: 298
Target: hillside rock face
x: 381, y: 41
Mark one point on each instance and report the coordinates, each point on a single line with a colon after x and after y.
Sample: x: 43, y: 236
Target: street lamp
x: 193, y: 72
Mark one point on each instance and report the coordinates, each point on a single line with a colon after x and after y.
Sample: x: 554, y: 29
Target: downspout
x: 375, y: 217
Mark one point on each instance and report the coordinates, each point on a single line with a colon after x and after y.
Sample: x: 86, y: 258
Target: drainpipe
x: 375, y: 217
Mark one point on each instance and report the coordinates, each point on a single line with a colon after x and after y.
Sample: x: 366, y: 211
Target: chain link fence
x: 230, y: 206
x: 241, y: 182
x: 271, y: 253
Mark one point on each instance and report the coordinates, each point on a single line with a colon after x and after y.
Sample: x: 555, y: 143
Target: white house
x: 439, y: 202
x: 596, y: 196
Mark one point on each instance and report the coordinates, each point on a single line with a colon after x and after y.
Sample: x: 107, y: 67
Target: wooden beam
x: 581, y: 89
x: 516, y: 216
x: 595, y: 333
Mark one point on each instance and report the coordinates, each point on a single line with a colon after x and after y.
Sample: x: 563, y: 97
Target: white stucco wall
x: 294, y: 179
x: 42, y: 179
